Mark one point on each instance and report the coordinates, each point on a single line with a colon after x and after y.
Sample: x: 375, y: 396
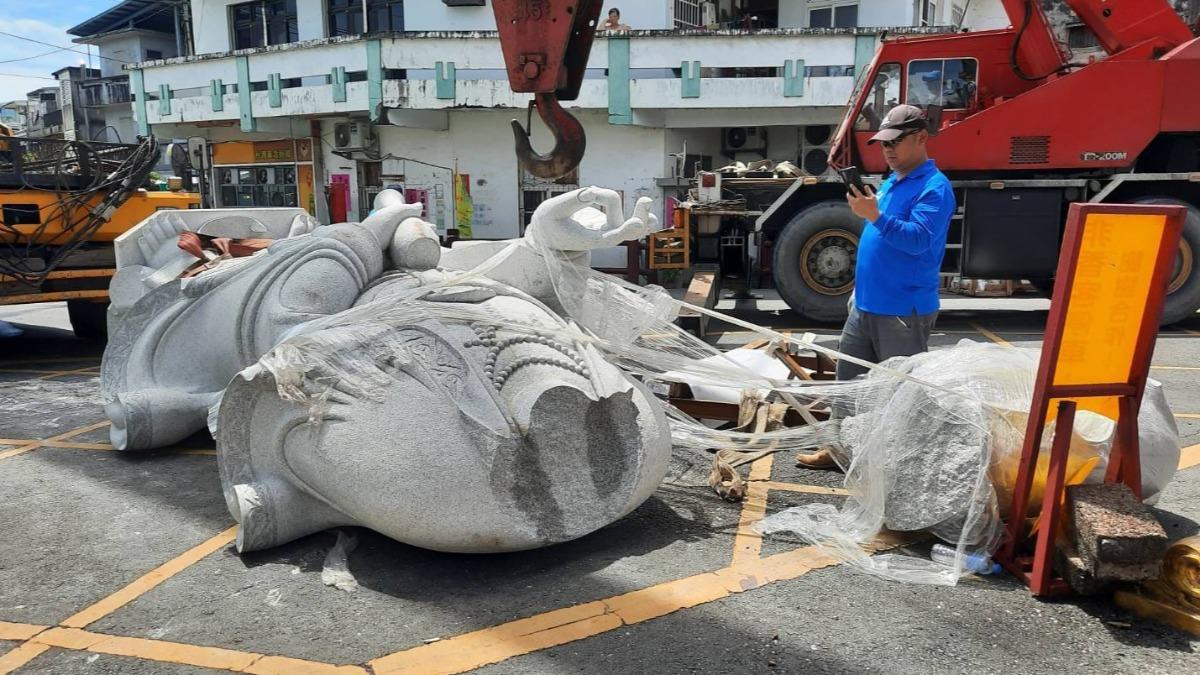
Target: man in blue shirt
x: 895, y: 299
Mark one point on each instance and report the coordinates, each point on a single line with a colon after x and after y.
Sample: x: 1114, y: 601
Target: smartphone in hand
x: 850, y: 176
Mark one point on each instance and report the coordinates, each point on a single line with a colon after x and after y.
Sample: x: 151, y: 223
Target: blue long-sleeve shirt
x: 900, y: 254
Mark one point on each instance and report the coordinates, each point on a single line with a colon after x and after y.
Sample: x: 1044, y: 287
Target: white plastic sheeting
x: 931, y: 441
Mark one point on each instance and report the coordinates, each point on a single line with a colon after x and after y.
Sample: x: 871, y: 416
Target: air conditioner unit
x: 736, y: 140
x: 350, y: 136
x: 708, y: 15
x: 814, y: 148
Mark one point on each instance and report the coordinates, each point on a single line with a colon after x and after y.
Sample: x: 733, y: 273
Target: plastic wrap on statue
x: 356, y: 378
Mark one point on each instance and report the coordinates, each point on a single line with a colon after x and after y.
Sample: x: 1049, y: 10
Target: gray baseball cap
x: 900, y: 120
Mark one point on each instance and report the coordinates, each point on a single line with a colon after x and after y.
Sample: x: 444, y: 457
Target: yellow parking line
x: 747, y: 544
x: 453, y: 655
x: 19, y: 631
x: 76, y: 445
x: 61, y: 437
x: 809, y: 489
x: 16, y: 451
x: 73, y: 445
x: 1174, y: 368
x: 990, y: 335
x: 192, y: 655
x: 1189, y: 457
x: 149, y: 580
x: 77, y: 371
x: 18, y: 657
x: 61, y: 359
x: 1188, y: 416
x: 491, y: 645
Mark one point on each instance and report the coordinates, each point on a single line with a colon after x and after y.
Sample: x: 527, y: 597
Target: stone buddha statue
x: 360, y: 374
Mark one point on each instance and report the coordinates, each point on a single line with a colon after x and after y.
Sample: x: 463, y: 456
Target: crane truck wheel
x: 814, y: 261
x: 1183, y: 290
x: 89, y: 320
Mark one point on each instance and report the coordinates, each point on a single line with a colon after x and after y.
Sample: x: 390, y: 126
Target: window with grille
x: 533, y: 191
x: 385, y: 15
x: 93, y: 95
x: 345, y: 17
x: 843, y: 15
x: 687, y: 13
x: 282, y: 26
x: 118, y: 92
x: 264, y: 22
x: 248, y: 28
x: 354, y: 17
x: 257, y: 185
x: 927, y: 12
x: 958, y: 14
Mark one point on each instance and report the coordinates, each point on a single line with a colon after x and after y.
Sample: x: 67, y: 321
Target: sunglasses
x: 897, y: 140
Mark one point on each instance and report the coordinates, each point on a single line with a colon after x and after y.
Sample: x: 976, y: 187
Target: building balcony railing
x: 642, y: 74
x: 106, y: 91
x: 53, y: 118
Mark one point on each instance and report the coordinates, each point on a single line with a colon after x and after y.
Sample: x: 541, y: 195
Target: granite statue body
x: 359, y: 374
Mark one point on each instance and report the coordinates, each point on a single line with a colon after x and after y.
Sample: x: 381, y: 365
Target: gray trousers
x: 876, y: 337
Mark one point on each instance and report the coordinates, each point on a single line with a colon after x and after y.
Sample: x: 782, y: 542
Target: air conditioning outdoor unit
x: 814, y: 148
x: 744, y: 139
x: 354, y: 136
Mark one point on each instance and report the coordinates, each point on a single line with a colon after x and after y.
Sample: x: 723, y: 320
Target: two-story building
x: 324, y: 102
x: 129, y: 32
x: 58, y: 111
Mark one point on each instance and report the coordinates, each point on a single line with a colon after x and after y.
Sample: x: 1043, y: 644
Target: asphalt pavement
x: 122, y: 562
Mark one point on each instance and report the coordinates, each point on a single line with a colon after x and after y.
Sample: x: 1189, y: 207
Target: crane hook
x: 569, y: 140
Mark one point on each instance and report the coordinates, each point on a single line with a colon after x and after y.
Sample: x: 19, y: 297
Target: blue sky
x: 47, y: 21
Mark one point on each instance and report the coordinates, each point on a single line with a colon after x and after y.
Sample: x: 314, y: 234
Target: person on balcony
x: 613, y: 22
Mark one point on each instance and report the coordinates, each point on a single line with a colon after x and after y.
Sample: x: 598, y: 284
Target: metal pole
x: 178, y: 32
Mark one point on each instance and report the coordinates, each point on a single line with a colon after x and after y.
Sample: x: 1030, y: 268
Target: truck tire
x: 814, y: 261
x: 1183, y: 290
x: 89, y: 320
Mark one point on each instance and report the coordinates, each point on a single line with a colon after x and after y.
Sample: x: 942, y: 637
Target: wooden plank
x: 700, y: 288
x: 53, y: 297
x: 703, y: 291
x: 728, y: 412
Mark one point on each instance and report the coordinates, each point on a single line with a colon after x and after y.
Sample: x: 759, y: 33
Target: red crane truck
x: 1022, y: 133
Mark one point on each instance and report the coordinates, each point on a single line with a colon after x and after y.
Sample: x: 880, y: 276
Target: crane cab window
x: 949, y: 83
x: 881, y: 95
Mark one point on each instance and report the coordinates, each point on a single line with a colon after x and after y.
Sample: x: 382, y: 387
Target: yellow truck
x: 62, y: 203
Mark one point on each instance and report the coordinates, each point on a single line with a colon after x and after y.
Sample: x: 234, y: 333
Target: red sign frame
x: 1036, y: 569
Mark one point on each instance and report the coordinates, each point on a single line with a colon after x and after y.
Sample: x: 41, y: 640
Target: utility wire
x: 30, y: 58
x: 31, y: 77
x: 69, y: 49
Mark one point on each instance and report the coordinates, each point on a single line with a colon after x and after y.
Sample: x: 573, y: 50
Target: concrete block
x: 1077, y: 573
x: 1114, y: 532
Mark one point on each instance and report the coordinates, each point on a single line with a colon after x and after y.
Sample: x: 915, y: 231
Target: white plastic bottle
x: 976, y: 563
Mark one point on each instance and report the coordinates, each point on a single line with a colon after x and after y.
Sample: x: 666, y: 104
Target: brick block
x: 1114, y: 533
